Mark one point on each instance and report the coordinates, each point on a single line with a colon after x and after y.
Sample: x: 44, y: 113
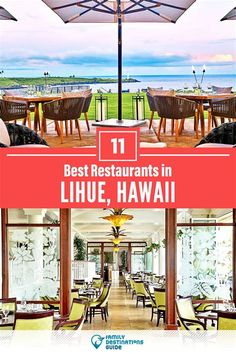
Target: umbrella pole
x: 119, y: 61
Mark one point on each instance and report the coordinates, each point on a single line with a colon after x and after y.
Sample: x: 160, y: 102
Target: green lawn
x: 112, y: 105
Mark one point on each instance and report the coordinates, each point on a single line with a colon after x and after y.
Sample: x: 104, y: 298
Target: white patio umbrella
x: 230, y: 15
x: 5, y: 15
x: 119, y: 11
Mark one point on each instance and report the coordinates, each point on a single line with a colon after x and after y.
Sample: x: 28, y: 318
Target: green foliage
x: 95, y: 252
x: 79, y: 249
x: 123, y: 257
x: 108, y: 257
x: 56, y: 80
x: 153, y: 247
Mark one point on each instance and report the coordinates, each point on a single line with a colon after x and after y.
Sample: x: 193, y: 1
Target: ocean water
x: 170, y: 82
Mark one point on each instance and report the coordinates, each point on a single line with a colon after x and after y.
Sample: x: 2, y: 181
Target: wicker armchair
x: 223, y: 108
x: 175, y: 108
x: 85, y: 109
x: 11, y: 110
x: 64, y: 109
x: 151, y: 93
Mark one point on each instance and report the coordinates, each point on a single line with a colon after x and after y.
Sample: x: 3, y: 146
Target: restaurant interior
x: 97, y: 269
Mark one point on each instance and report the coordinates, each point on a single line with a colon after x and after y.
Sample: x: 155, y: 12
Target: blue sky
x: 40, y: 41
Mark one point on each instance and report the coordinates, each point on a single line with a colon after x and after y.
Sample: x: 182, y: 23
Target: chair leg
x: 176, y: 130
x: 158, y: 318
x: 79, y: 132
x: 152, y: 314
x: 164, y: 125
x: 172, y: 126
x: 87, y: 121
x: 105, y: 315
x: 57, y: 128
x: 159, y: 128
x: 209, y: 119
x: 66, y: 127
x: 137, y: 301
x: 181, y: 126
x: 196, y: 120
x: 71, y: 127
x: 42, y: 130
x: 90, y: 315
x: 151, y: 119
x: 61, y: 131
x: 28, y: 119
x: 106, y: 308
x: 143, y: 301
x: 102, y: 313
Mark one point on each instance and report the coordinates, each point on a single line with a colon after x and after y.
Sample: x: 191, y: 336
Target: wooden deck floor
x: 123, y: 314
x: 187, y: 138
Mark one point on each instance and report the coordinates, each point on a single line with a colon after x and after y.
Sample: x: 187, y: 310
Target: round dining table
x: 200, y: 99
x: 36, y: 100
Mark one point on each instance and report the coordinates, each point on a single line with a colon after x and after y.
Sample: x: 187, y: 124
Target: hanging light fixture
x: 116, y: 248
x: 117, y: 218
x: 116, y: 241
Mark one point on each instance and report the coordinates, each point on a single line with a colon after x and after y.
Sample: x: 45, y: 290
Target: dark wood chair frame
x: 224, y: 314
x: 32, y: 315
x: 186, y: 321
x: 76, y: 323
x: 100, y: 310
x: 140, y: 297
x: 160, y: 312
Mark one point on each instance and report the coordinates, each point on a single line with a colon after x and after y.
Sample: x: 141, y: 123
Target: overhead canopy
x: 102, y: 11
x: 230, y: 15
x: 5, y: 15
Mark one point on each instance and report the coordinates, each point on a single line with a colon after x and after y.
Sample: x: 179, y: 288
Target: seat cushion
x: 4, y: 136
x: 152, y: 145
x: 84, y: 93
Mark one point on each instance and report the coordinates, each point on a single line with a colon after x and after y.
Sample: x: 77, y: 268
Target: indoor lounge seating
x: 160, y: 300
x: 153, y: 302
x: 8, y: 304
x: 97, y: 284
x: 226, y: 320
x: 76, y: 317
x: 100, y: 305
x: 186, y: 315
x: 34, y: 320
x: 141, y: 293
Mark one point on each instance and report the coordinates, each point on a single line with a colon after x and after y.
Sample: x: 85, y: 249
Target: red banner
x: 117, y: 173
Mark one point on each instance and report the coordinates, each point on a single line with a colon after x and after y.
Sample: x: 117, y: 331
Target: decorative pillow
x: 4, y: 136
x: 84, y: 93
x: 160, y: 92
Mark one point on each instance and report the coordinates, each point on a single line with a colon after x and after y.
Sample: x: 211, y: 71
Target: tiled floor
x: 124, y: 315
x: 187, y: 139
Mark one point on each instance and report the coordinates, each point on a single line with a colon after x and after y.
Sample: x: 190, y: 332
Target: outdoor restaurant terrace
x: 116, y: 269
x: 65, y: 111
